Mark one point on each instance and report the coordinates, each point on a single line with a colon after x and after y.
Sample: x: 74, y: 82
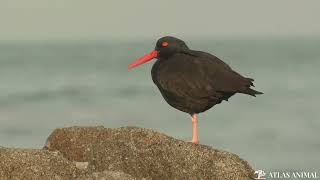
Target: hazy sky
x: 103, y: 19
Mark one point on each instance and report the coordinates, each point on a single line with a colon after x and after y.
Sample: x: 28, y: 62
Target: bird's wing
x: 210, y: 57
x: 200, y: 77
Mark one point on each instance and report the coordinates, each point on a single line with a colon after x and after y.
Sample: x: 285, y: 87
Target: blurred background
x: 64, y: 63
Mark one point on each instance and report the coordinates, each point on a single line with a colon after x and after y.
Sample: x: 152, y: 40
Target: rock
x: 107, y: 175
x: 82, y: 165
x: 143, y: 153
x: 97, y: 153
x: 35, y: 164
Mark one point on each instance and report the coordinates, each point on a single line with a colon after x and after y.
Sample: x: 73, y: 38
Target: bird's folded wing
x: 203, y: 79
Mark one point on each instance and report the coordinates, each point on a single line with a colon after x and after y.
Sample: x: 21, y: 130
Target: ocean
x: 48, y: 85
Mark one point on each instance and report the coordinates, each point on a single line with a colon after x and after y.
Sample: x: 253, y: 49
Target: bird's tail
x: 248, y: 90
x: 251, y: 92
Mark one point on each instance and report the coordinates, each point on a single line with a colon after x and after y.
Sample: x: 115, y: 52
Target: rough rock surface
x: 33, y: 163
x: 143, y: 153
x: 25, y: 164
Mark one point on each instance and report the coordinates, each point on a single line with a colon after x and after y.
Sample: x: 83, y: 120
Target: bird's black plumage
x: 194, y: 81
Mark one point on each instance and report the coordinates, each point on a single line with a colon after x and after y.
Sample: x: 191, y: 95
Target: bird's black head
x: 168, y: 45
x: 165, y: 47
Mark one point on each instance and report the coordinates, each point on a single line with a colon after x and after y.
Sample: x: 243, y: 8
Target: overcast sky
x: 103, y: 19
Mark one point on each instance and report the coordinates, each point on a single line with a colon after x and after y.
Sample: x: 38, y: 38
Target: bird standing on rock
x: 193, y: 81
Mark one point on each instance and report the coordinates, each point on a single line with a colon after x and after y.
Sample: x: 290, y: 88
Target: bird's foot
x: 194, y: 141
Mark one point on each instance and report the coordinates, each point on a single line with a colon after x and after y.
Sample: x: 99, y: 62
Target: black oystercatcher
x: 193, y: 81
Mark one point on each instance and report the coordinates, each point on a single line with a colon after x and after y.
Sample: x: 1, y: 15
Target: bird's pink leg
x: 194, y: 129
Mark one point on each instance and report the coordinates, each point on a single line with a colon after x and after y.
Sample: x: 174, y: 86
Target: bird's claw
x: 194, y: 141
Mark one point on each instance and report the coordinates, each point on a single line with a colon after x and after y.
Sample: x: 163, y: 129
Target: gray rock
x: 107, y: 175
x: 35, y: 164
x: 143, y: 153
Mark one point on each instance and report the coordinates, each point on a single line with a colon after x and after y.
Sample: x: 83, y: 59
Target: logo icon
x: 261, y: 174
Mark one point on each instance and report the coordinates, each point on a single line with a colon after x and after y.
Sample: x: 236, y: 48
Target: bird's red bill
x: 143, y: 59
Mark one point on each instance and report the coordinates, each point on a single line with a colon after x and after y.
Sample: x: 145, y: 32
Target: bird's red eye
x: 164, y: 43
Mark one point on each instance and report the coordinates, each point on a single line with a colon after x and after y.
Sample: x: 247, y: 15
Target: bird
x: 193, y: 81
